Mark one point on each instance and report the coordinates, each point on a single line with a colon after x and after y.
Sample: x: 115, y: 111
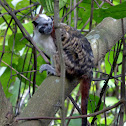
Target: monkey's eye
x: 46, y: 24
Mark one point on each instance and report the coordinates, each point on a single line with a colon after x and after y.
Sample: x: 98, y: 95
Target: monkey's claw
x: 48, y: 68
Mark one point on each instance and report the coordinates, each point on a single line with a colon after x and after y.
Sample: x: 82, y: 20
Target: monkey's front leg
x: 48, y: 68
x: 51, y: 69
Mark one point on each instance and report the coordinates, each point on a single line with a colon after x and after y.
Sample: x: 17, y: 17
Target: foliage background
x: 18, y: 55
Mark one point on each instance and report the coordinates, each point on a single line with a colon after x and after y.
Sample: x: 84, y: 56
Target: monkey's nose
x: 48, y: 30
x: 41, y: 30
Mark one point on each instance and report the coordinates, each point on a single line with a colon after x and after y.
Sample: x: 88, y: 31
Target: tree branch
x: 104, y: 36
x: 122, y: 101
x: 61, y: 55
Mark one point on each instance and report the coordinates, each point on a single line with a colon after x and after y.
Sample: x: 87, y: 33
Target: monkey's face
x: 43, y: 23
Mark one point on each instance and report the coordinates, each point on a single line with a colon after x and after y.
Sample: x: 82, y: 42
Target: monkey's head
x: 43, y: 24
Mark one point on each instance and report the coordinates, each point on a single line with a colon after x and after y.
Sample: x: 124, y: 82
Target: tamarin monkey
x: 77, y: 51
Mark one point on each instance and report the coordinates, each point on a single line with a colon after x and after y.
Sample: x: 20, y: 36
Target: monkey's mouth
x: 48, y: 31
x: 45, y: 30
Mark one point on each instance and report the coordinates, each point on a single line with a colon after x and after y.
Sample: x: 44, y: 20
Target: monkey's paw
x: 48, y: 68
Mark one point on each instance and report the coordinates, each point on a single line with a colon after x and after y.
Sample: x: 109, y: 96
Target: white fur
x: 45, y: 43
x: 44, y: 16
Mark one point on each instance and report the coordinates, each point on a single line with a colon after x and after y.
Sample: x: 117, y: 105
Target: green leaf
x: 1, y: 21
x: 62, y: 3
x: 6, y: 48
x: 6, y: 81
x: 84, y: 11
x: 109, y: 121
x: 7, y: 56
x: 101, y: 125
x: 14, y: 91
x: 40, y: 76
x: 117, y: 12
x: 10, y: 3
x: 49, y: 5
x: 108, y: 61
x: 7, y: 18
x: 23, y: 66
x: 109, y: 58
x: 24, y: 62
x: 110, y: 100
x: 111, y: 85
x: 120, y: 58
x: 28, y: 27
x: 75, y: 122
x: 22, y: 4
x: 19, y: 42
x: 92, y: 102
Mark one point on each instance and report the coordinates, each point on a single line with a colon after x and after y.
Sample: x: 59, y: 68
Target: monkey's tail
x: 84, y: 88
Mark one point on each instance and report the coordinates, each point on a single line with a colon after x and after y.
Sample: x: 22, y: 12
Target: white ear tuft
x: 44, y: 16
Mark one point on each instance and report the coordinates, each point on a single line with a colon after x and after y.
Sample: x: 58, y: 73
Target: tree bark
x: 6, y: 113
x: 104, y: 36
x: 46, y: 100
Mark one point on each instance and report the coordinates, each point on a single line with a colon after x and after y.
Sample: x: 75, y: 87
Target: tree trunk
x: 46, y: 100
x: 6, y: 113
